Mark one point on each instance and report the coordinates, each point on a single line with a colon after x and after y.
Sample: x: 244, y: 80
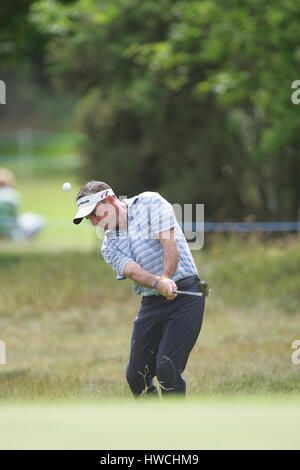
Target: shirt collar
x: 130, y: 201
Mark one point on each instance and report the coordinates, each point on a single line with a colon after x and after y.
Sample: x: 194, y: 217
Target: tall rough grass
x: 67, y: 322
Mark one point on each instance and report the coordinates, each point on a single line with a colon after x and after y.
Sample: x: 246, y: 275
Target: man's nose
x: 94, y: 220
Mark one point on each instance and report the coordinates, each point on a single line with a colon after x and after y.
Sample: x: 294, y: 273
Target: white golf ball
x: 67, y: 186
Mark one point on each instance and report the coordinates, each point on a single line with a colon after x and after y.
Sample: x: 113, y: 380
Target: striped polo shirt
x: 148, y: 215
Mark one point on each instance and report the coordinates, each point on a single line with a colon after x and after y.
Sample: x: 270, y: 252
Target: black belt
x: 187, y: 281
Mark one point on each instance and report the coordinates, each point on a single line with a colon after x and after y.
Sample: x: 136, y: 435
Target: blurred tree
x: 191, y: 98
x: 22, y: 55
x: 21, y: 42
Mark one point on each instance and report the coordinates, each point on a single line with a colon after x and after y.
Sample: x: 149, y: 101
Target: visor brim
x: 83, y: 212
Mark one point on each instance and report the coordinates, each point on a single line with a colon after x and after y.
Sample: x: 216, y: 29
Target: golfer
x: 143, y: 242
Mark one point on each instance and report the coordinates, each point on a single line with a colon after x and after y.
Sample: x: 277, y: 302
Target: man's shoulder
x: 150, y: 195
x: 147, y: 197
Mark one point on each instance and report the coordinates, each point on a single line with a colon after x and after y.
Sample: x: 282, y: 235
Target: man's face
x: 104, y: 215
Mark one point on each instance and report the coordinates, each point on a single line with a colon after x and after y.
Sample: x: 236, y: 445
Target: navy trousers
x: 164, y: 333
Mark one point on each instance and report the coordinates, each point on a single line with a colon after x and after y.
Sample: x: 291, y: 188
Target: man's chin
x: 106, y: 226
x: 109, y: 227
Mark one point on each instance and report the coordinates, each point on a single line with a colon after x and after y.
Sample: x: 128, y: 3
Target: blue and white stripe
x: 148, y: 215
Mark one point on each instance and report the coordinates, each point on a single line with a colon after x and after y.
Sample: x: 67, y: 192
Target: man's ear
x: 110, y: 200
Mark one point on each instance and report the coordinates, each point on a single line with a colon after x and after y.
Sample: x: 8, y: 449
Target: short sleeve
x: 162, y: 215
x: 116, y: 259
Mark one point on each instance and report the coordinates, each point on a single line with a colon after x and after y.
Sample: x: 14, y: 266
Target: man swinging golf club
x: 144, y: 242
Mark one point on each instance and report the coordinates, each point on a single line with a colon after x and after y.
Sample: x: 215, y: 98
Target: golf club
x: 199, y: 294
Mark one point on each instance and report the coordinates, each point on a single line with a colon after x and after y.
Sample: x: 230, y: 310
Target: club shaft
x: 198, y: 294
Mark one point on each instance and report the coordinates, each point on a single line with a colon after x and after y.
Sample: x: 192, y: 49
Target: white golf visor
x: 87, y: 204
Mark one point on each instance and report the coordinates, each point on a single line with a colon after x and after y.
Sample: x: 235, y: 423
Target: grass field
x: 41, y: 154
x: 46, y: 197
x: 51, y: 159
x: 67, y: 323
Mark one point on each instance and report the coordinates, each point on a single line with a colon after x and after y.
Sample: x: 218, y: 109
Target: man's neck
x: 123, y: 217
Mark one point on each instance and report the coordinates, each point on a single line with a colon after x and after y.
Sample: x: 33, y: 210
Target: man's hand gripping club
x: 166, y: 287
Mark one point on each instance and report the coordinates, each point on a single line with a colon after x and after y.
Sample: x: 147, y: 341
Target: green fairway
x: 47, y: 197
x: 47, y: 153
x: 54, y: 159
x: 194, y: 424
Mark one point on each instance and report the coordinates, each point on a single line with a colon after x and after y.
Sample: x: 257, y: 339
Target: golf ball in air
x: 67, y: 186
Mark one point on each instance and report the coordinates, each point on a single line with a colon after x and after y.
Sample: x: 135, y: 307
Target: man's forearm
x: 144, y: 278
x: 138, y: 274
x: 171, y: 258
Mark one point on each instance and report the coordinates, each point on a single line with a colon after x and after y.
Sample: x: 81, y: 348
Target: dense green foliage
x: 184, y: 94
x: 31, y: 99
